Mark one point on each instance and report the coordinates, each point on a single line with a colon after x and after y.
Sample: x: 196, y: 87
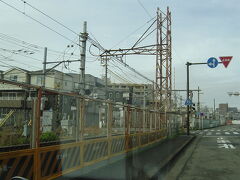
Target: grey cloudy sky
x: 200, y: 29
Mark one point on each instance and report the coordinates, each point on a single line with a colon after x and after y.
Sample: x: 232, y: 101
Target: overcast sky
x: 200, y: 30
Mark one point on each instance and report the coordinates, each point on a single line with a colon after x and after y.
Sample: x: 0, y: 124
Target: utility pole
x: 106, y: 81
x: 83, y: 39
x: 214, y: 110
x: 198, y: 106
x: 44, y: 66
x: 188, y: 113
x: 198, y: 103
x: 144, y: 96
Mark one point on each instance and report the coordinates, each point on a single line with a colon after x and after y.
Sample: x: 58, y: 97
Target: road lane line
x: 235, y: 133
x: 227, y: 133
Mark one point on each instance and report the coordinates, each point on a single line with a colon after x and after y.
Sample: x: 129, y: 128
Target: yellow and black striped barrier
x: 53, y: 161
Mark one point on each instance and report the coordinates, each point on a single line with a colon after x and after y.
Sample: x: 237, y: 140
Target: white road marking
x: 227, y: 133
x: 231, y: 146
x: 212, y: 130
x: 218, y: 130
x: 222, y: 143
x: 223, y: 146
x: 209, y: 133
x: 235, y: 133
x: 218, y: 133
x: 206, y: 130
x: 227, y: 146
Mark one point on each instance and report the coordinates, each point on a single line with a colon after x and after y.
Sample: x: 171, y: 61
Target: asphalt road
x: 215, y: 154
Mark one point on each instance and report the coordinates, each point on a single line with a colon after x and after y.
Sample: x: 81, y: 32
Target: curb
x: 170, y: 159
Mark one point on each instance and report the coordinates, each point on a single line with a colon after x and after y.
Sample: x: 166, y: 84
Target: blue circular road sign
x: 212, y: 62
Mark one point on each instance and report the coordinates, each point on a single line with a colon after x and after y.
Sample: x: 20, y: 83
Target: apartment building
x: 136, y: 94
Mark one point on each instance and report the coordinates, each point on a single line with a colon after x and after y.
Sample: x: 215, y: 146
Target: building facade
x: 136, y: 94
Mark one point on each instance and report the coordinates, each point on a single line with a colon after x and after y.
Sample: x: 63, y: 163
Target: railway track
x: 43, y: 144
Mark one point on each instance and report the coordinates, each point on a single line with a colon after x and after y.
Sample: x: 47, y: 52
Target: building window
x: 12, y: 96
x: 65, y: 83
x: 76, y: 85
x: 13, y: 77
x: 117, y: 95
x: 110, y: 95
x: 39, y: 80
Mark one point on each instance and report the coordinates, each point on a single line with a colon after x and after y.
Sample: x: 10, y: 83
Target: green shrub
x: 17, y: 141
x: 48, y: 136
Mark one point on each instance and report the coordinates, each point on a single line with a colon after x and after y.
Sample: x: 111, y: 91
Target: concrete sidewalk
x: 139, y: 164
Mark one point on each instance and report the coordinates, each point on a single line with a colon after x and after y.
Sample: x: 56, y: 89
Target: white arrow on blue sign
x: 188, y: 102
x: 212, y: 62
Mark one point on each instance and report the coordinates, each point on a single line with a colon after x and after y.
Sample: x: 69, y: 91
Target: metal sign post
x: 212, y: 63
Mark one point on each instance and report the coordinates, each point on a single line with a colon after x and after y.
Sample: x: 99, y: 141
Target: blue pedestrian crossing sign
x: 188, y: 102
x: 212, y: 62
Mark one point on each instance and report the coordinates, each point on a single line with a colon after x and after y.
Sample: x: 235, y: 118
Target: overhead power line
x: 39, y: 22
x: 94, y: 42
x: 56, y: 21
x: 127, y: 37
x: 30, y: 46
x: 144, y: 8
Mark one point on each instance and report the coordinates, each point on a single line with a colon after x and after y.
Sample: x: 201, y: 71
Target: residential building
x: 223, y: 109
x: 12, y: 95
x: 1, y: 74
x: 14, y: 108
x: 94, y: 86
x: 54, y: 79
x: 136, y: 94
x: 232, y: 109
